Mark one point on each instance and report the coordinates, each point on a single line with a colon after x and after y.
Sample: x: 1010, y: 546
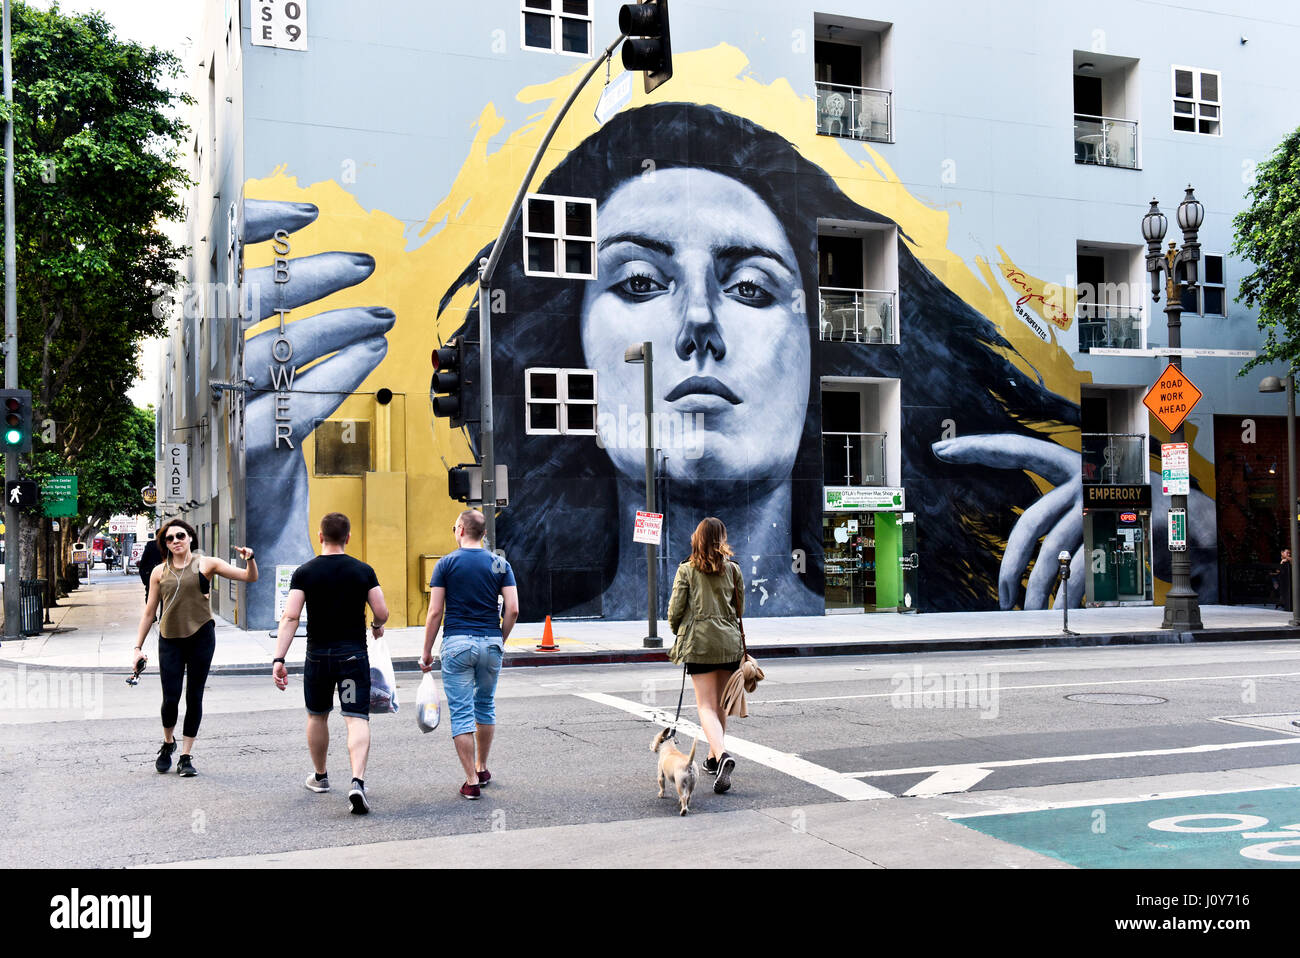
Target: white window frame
x: 1195, y: 99
x: 561, y: 235
x: 1203, y: 285
x: 561, y: 401
x: 555, y: 11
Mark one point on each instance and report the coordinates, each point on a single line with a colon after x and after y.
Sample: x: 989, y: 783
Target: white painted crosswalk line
x: 828, y: 779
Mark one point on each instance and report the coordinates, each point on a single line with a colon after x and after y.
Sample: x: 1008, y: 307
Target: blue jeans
x: 470, y: 667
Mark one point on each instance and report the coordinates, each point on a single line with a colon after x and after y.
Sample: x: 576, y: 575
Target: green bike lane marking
x: 1250, y: 829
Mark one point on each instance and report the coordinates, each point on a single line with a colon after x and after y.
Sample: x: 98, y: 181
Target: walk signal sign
x: 16, y: 413
x: 1172, y: 397
x: 21, y: 493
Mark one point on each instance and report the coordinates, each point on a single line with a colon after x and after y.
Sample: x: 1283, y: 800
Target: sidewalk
x: 95, y: 628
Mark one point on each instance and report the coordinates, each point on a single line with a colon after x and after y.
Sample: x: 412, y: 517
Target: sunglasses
x: 177, y: 537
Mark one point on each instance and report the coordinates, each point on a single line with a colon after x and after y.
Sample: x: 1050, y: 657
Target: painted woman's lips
x: 706, y: 385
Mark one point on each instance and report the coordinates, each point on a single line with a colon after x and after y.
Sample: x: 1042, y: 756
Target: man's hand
x: 377, y: 631
x: 426, y: 663
x: 281, y: 676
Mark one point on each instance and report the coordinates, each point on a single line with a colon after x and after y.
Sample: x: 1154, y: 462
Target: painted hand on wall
x: 1058, y: 516
x: 352, y: 339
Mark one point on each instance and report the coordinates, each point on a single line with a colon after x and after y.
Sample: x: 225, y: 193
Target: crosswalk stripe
x: 825, y: 778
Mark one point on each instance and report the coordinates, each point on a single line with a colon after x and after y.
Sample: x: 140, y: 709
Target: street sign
x: 649, y: 528
x: 176, y: 472
x: 615, y: 96
x: 149, y: 495
x: 60, y: 496
x: 1177, y: 530
x: 1172, y: 397
x: 21, y: 493
x: 1174, y: 469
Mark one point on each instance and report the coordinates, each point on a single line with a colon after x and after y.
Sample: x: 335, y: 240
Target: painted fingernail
x: 307, y: 208
x: 364, y: 260
x: 382, y: 312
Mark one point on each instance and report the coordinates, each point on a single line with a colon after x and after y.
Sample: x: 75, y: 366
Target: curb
x: 525, y: 659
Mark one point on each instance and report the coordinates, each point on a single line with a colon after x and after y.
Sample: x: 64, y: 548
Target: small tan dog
x: 678, y: 767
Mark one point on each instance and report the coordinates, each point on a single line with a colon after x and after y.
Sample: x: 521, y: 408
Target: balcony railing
x: 1105, y: 141
x: 857, y: 315
x: 853, y: 458
x: 1116, y: 327
x: 854, y: 111
x: 1115, y: 459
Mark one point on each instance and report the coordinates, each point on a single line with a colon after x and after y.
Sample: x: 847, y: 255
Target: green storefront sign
x: 59, y: 496
x: 862, y: 499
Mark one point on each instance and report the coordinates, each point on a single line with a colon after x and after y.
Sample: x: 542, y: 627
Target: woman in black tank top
x: 178, y: 588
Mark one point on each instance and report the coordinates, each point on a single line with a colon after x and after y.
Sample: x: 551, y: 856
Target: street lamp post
x: 1182, y: 607
x: 642, y: 353
x: 1271, y: 384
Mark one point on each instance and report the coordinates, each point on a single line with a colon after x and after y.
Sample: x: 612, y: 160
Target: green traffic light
x: 13, y: 437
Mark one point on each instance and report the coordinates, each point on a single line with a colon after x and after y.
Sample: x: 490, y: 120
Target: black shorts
x: 348, y: 670
x: 699, y: 668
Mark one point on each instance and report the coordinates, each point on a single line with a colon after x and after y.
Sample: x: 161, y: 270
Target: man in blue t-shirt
x: 465, y: 587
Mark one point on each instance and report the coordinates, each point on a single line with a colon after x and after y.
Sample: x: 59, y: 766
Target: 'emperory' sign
x: 1172, y: 397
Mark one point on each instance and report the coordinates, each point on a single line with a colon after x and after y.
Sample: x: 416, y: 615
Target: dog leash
x: 672, y: 730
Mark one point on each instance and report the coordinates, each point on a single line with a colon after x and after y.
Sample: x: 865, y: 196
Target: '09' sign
x: 280, y: 23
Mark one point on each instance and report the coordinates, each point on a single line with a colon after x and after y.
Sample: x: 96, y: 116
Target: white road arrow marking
x: 958, y: 778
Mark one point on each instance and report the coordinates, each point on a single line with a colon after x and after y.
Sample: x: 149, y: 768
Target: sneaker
x: 711, y: 765
x: 164, y: 763
x: 323, y: 785
x: 185, y: 767
x: 725, y: 766
x: 357, y: 799
x: 484, y: 777
x: 469, y: 791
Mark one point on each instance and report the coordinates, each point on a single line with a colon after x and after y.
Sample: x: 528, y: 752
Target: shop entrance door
x: 849, y: 544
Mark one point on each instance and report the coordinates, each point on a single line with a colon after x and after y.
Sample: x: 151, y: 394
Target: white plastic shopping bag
x: 383, y: 681
x: 428, y: 704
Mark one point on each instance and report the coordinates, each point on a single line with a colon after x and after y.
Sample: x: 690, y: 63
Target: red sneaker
x: 468, y: 791
x: 484, y: 777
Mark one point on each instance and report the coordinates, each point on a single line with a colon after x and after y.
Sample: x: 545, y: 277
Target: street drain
x: 1116, y: 698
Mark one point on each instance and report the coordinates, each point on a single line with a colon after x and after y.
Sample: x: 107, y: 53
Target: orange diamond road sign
x: 1172, y: 397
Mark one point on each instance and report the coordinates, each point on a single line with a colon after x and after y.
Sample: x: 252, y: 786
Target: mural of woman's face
x: 696, y: 264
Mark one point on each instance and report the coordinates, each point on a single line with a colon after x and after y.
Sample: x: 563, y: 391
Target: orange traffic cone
x: 548, y: 642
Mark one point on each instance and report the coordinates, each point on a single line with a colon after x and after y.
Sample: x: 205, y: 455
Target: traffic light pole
x: 12, y: 627
x: 486, y: 268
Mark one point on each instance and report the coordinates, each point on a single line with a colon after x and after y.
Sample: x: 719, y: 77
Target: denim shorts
x: 470, y: 667
x: 348, y: 670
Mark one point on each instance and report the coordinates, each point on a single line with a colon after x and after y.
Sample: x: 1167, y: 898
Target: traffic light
x: 16, y: 430
x: 648, y: 48
x: 448, y: 385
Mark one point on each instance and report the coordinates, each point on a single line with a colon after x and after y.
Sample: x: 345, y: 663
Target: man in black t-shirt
x: 336, y: 589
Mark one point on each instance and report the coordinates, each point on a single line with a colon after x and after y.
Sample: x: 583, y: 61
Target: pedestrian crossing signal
x: 16, y: 408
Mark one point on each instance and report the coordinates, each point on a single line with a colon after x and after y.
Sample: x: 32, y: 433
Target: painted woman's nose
x: 700, y: 333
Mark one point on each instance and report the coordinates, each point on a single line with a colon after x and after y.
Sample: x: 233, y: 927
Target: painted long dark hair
x: 561, y: 522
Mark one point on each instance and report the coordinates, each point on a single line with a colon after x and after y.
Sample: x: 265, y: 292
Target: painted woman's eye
x: 638, y: 286
x: 751, y: 294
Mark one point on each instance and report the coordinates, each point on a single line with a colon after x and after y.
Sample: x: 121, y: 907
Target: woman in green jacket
x: 705, y: 614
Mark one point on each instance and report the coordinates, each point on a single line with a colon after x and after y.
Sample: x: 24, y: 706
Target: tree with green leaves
x: 97, y: 171
x: 1267, y: 236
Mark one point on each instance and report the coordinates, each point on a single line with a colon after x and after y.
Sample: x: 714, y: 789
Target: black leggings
x: 175, y: 656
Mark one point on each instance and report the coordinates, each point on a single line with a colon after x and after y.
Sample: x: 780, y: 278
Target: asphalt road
x: 862, y: 747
